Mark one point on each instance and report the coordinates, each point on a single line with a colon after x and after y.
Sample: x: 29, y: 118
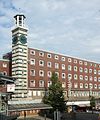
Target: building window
x: 69, y: 76
x: 90, y: 70
x: 56, y: 57
x: 4, y: 65
x: 49, y: 73
x: 85, y: 63
x: 63, y: 66
x: 32, y: 72
x: 91, y: 78
x: 95, y: 78
x: 95, y: 65
x: 4, y: 73
x: 85, y: 70
x: 75, y: 85
x: 49, y: 83
x: 69, y: 67
x: 75, y: 61
x: 62, y: 58
x: 80, y: 62
x: 75, y: 76
x: 98, y: 79
x: 49, y: 64
x: 32, y: 52
x: 99, y: 86
x: 95, y: 86
x: 86, y: 85
x: 63, y: 84
x: 48, y: 55
x: 81, y: 69
x: 56, y: 65
x: 41, y: 83
x: 41, y: 54
x: 81, y: 77
x: 41, y: 63
x: 63, y: 75
x: 86, y: 78
x: 98, y: 72
x: 41, y: 73
x: 81, y: 85
x: 75, y: 68
x: 90, y: 85
x: 95, y: 72
x: 69, y: 60
x: 32, y: 83
x: 32, y: 61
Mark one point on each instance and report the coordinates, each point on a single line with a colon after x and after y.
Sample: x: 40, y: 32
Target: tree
x: 92, y: 102
x: 55, y: 96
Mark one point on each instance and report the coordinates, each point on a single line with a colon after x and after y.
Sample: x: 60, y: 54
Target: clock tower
x: 19, y: 56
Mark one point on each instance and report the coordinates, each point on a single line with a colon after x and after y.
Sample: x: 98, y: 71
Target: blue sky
x: 70, y: 27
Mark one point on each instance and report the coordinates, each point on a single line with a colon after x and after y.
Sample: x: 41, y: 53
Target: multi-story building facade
x: 33, y: 69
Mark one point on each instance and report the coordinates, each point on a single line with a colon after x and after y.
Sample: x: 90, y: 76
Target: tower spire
x: 19, y: 18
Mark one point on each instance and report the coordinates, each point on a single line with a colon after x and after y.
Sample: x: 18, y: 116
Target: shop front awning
x: 22, y: 107
x: 79, y: 103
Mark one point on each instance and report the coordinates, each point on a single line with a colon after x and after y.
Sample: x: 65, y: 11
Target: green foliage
x: 55, y: 96
x: 92, y: 102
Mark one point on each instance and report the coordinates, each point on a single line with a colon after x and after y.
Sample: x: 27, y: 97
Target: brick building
x: 33, y: 68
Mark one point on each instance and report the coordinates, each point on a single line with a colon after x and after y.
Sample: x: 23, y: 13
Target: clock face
x: 14, y: 40
x: 23, y: 39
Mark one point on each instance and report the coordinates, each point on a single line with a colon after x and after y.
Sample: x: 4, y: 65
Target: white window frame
x: 69, y: 67
x: 41, y: 63
x: 41, y: 73
x: 75, y: 68
x: 75, y: 77
x: 32, y: 61
x: 63, y: 66
x: 56, y: 57
x: 49, y: 55
x: 63, y: 75
x: 32, y: 72
x: 41, y: 83
x: 81, y: 85
x: 49, y: 74
x: 69, y: 76
x: 41, y: 54
x: 56, y: 65
x: 33, y: 83
x: 49, y: 64
x: 69, y: 60
x: 62, y: 58
x: 32, y: 52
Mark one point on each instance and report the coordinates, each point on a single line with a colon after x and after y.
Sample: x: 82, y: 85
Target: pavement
x: 34, y: 118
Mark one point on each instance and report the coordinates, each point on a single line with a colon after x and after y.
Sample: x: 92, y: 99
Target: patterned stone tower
x: 19, y: 56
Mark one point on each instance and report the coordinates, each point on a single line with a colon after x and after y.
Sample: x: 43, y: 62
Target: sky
x: 69, y: 27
